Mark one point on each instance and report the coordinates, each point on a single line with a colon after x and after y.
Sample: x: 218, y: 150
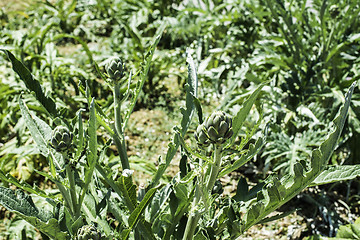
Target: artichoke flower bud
x: 115, y: 69
x: 61, y: 139
x: 88, y: 232
x: 216, y: 129
x: 201, y: 137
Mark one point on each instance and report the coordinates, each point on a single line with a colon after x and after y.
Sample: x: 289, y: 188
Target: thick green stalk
x: 215, y: 167
x: 117, y: 107
x: 191, y: 226
x: 70, y: 175
x: 121, y: 149
x: 119, y: 138
x: 195, y: 215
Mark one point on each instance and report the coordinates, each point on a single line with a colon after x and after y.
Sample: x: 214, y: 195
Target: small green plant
x: 94, y: 200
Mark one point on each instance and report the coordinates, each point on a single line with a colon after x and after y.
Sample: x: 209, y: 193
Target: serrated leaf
x: 159, y: 200
x: 337, y: 173
x: 180, y: 201
x: 187, y: 114
x: 191, y: 94
x: 143, y: 74
x: 39, y: 130
x: 290, y: 185
x: 128, y: 190
x: 138, y: 211
x: 32, y: 84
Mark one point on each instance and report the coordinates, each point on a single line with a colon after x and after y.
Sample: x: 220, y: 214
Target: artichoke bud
x: 223, y: 128
x: 201, y: 137
x: 88, y: 232
x: 61, y: 139
x: 115, y: 69
x: 216, y: 129
x: 213, y: 134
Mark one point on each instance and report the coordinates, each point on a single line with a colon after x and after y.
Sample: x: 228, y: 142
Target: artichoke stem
x: 119, y: 136
x: 191, y: 226
x: 193, y: 218
x: 70, y: 175
x: 117, y: 107
x: 214, y: 167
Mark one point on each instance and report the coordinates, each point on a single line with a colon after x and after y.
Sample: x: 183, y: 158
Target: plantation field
x: 198, y: 119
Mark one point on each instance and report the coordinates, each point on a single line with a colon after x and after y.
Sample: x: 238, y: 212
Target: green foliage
x: 22, y: 204
x: 79, y: 197
x: 286, y: 64
x: 349, y: 231
x: 32, y: 84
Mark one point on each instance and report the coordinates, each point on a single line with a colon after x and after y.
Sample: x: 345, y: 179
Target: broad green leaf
x: 32, y: 84
x: 241, y: 115
x: 337, y: 173
x: 23, y: 205
x: 39, y: 130
x: 277, y: 192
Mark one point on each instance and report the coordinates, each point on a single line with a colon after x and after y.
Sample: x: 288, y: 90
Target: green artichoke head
x: 61, y: 139
x: 88, y: 232
x: 216, y: 129
x: 115, y: 68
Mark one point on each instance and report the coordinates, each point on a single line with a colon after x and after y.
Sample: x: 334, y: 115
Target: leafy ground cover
x: 293, y: 61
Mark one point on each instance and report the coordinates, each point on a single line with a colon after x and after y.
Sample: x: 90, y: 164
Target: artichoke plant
x: 61, y: 139
x: 115, y: 69
x: 216, y: 129
x: 87, y: 232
